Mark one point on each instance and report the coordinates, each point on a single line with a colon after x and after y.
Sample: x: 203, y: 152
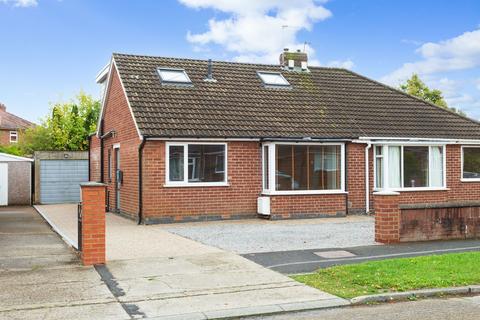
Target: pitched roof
x: 322, y: 103
x: 10, y: 121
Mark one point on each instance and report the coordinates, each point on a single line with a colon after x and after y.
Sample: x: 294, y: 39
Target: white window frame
x: 403, y: 188
x: 185, y: 182
x: 14, y: 133
x: 272, y: 168
x: 461, y: 176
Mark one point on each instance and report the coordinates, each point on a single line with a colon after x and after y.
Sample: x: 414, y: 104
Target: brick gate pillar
x: 93, y: 223
x: 387, y: 217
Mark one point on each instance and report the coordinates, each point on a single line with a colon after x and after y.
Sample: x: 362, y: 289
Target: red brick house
x: 187, y: 140
x: 11, y: 126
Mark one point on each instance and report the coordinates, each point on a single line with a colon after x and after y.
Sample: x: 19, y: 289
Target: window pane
x: 436, y: 174
x: 265, y: 168
x: 303, y: 167
x: 173, y: 75
x: 379, y: 173
x: 284, y: 174
x: 415, y: 165
x: 176, y: 163
x: 206, y: 163
x: 471, y: 163
x: 274, y: 79
x: 394, y: 167
x: 301, y: 178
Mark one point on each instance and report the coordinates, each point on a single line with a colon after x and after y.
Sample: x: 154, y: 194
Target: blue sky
x: 51, y: 49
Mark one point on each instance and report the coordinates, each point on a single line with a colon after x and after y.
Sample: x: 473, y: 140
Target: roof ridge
x: 218, y: 61
x: 414, y: 97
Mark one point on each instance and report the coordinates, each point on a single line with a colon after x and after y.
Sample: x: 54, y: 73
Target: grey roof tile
x: 322, y: 103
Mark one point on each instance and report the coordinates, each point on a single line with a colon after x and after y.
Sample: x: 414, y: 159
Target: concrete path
x: 257, y: 235
x: 465, y: 308
x: 304, y: 261
x: 40, y: 276
x: 154, y: 273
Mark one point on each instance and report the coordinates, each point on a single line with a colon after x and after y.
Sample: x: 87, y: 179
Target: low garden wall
x: 423, y: 222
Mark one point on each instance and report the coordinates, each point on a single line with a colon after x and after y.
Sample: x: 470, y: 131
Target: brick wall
x: 305, y: 206
x: 4, y: 137
x: 94, y: 156
x: 168, y: 204
x: 356, y: 177
x: 117, y: 116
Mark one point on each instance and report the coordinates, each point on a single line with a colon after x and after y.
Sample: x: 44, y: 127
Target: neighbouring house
x: 187, y: 140
x: 11, y: 126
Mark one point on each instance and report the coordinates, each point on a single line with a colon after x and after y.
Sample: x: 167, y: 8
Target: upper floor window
x: 274, y: 79
x: 196, y: 164
x: 173, y: 76
x: 13, y: 136
x: 471, y: 163
x: 409, y: 167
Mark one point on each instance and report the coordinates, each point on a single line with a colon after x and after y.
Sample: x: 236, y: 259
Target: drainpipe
x: 140, y: 180
x: 346, y: 178
x: 367, y: 178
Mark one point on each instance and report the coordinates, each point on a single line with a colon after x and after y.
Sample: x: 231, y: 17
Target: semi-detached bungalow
x: 188, y: 140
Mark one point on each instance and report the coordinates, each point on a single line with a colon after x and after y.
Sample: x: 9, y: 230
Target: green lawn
x: 348, y: 281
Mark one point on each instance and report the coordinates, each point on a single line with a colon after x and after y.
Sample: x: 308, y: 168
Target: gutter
x: 140, y: 180
x: 101, y: 152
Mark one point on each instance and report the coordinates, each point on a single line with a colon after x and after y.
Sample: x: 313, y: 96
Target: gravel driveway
x: 253, y: 236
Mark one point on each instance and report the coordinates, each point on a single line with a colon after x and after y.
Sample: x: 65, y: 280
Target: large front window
x: 194, y: 164
x: 398, y: 167
x: 302, y: 168
x: 471, y: 163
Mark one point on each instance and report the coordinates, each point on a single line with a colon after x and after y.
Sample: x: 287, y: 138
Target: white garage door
x: 60, y: 180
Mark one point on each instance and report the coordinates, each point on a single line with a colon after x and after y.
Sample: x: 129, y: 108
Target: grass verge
x: 395, y: 275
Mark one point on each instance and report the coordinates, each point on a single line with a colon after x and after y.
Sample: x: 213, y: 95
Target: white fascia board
x: 102, y: 74
x: 113, y: 65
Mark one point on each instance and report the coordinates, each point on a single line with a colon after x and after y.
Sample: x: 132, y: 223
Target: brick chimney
x: 294, y: 60
x: 3, y: 107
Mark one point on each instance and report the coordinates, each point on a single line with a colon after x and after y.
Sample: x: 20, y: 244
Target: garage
x: 58, y: 176
x: 15, y: 180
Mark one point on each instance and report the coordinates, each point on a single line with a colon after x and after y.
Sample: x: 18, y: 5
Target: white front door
x: 3, y: 184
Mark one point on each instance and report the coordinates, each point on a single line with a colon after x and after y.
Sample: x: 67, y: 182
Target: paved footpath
x: 463, y: 308
x: 156, y: 274
x: 41, y: 278
x: 304, y: 261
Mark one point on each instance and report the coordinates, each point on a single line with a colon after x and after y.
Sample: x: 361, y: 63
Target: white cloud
x: 478, y: 84
x: 346, y: 64
x: 459, y: 53
x: 254, y: 30
x: 21, y: 3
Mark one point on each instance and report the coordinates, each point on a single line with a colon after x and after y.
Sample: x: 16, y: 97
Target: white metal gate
x: 3, y: 184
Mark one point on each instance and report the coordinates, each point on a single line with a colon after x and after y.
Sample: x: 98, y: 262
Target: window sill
x: 193, y: 185
x: 302, y: 192
x: 470, y: 180
x: 412, y: 189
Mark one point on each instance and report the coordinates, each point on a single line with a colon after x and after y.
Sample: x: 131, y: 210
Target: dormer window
x: 173, y: 76
x: 273, y: 79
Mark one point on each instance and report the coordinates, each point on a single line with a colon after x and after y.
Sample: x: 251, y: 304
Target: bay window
x: 196, y: 164
x: 409, y: 167
x: 302, y: 168
x: 471, y: 163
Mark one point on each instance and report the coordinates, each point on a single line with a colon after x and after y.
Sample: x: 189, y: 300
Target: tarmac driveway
x: 257, y: 235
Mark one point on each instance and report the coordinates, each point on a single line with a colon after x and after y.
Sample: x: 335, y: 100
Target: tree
x: 416, y: 87
x: 66, y: 128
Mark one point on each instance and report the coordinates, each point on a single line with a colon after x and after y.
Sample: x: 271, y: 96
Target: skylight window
x: 273, y: 79
x: 174, y: 76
